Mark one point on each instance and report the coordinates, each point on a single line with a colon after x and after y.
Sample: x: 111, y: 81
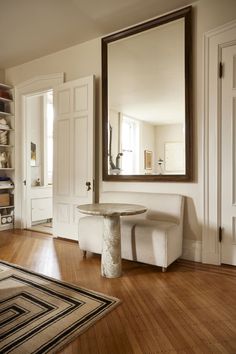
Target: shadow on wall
x: 191, y: 228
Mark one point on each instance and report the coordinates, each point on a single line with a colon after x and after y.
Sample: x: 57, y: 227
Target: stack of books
x: 6, y: 182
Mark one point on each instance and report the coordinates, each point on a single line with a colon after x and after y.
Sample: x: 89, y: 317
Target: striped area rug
x: 39, y: 314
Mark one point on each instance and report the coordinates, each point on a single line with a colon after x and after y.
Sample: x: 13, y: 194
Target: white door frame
x: 214, y: 41
x: 32, y: 86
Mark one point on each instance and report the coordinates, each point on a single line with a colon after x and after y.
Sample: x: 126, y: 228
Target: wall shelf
x: 7, y: 207
x: 5, y: 99
x: 5, y: 87
x: 7, y: 184
x: 6, y: 113
x: 6, y: 226
x: 7, y: 168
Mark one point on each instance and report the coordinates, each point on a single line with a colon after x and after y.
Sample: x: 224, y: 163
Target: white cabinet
x: 41, y: 203
x: 41, y: 209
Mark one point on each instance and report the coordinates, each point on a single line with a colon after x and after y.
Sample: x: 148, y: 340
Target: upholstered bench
x: 153, y: 238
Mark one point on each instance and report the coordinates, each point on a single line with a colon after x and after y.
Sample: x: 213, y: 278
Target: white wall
x: 85, y: 59
x: 77, y: 61
x: 34, y: 112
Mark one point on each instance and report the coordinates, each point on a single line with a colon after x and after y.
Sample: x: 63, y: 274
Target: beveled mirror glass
x: 146, y: 101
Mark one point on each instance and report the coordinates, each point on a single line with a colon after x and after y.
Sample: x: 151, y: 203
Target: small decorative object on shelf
x: 4, y: 199
x: 2, y: 106
x: 38, y: 182
x: 3, y: 124
x: 6, y: 216
x: 6, y: 183
x: 4, y: 159
x: 5, y: 99
x: 4, y: 94
x: 3, y: 137
x: 160, y: 163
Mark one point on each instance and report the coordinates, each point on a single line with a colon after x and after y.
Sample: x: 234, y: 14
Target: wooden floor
x: 189, y: 309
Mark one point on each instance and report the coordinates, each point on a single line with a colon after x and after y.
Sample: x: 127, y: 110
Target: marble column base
x: 111, y: 250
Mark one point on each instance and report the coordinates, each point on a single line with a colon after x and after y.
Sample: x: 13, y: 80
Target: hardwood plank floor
x: 189, y: 309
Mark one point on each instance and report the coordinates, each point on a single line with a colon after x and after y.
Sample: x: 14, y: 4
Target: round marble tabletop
x: 111, y: 209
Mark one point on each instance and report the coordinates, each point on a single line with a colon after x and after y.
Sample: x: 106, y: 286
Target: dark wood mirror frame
x: 183, y: 13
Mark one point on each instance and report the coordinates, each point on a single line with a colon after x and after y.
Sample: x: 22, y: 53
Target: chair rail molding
x: 214, y: 41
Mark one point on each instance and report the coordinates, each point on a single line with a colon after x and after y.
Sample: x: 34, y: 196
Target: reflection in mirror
x: 146, y: 113
x: 133, y: 142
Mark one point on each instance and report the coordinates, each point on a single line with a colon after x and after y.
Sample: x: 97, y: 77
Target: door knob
x: 88, y: 185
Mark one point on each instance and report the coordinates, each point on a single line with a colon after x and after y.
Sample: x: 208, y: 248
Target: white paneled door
x: 228, y: 158
x: 73, y: 153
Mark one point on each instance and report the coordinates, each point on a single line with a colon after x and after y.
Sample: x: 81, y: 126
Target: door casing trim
x: 214, y: 41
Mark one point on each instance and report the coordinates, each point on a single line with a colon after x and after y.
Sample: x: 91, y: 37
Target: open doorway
x: 39, y: 169
x: 73, y: 153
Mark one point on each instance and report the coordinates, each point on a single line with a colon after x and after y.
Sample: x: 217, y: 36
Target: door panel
x: 63, y: 102
x: 73, y: 153
x: 228, y: 158
x: 63, y: 153
x: 81, y: 98
x: 81, y: 159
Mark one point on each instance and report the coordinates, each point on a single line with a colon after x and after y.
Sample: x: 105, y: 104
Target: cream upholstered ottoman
x: 153, y: 238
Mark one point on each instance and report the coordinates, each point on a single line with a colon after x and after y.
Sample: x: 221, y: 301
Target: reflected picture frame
x: 147, y: 160
x: 33, y: 154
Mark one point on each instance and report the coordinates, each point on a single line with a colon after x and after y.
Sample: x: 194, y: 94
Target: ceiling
x: 34, y: 28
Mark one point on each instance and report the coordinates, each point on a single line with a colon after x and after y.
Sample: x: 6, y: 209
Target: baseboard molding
x: 192, y: 250
x: 211, y: 258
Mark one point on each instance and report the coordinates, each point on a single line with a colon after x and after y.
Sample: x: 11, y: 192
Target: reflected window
x: 130, y: 145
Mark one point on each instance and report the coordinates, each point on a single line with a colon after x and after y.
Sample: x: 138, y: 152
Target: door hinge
x: 93, y: 185
x: 220, y: 234
x: 24, y: 182
x: 221, y: 67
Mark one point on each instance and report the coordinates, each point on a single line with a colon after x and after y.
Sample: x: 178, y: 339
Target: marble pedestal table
x: 111, y: 249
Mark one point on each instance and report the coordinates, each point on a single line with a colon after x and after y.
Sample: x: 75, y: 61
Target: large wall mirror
x: 146, y: 101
